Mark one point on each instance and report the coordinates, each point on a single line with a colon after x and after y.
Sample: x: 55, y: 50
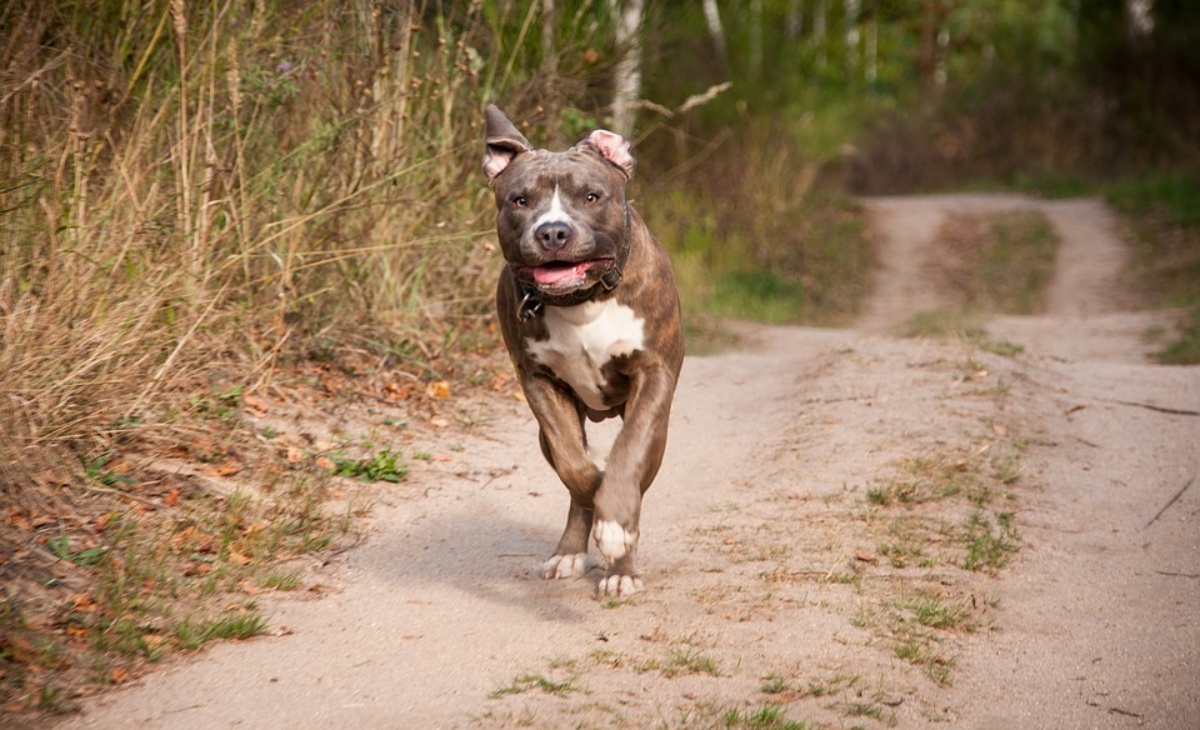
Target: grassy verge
x: 1164, y: 212
x: 111, y: 581
x: 800, y: 260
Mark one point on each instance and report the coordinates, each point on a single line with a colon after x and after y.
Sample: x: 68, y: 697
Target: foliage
x: 383, y: 467
x: 1165, y: 215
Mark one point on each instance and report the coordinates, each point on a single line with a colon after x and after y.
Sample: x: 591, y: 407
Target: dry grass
x: 194, y: 199
x: 221, y: 193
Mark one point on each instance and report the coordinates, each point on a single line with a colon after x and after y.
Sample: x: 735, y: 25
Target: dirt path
x: 775, y: 571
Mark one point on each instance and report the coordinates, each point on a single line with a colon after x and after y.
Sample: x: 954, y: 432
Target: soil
x: 775, y: 587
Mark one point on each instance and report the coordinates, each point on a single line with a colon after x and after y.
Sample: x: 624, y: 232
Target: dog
x: 590, y: 316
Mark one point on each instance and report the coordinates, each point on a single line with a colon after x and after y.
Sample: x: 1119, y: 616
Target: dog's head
x: 561, y: 216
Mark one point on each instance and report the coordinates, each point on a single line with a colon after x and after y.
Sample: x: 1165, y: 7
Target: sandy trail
x: 753, y: 537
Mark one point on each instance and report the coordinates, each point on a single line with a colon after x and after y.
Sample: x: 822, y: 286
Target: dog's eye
x: 592, y: 197
x: 520, y: 201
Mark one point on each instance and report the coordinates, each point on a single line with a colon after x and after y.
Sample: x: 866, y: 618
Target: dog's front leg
x: 564, y: 444
x: 632, y: 464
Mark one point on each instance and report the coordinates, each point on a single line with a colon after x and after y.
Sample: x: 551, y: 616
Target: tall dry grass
x: 187, y: 187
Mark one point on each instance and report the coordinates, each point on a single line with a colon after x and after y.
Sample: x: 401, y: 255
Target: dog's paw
x: 613, y: 541
x: 565, y: 566
x: 619, y: 586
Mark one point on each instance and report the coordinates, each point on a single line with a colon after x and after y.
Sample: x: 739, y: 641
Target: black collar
x: 531, y: 301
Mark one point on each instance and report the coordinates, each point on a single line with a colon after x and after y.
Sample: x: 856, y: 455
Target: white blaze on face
x: 556, y: 214
x: 582, y: 340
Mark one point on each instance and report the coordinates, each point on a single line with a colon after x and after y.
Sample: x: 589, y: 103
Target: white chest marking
x: 582, y: 340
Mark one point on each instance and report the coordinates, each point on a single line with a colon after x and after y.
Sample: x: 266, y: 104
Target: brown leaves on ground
x: 92, y: 543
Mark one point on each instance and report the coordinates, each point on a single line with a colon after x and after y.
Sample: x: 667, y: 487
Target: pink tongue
x: 555, y: 274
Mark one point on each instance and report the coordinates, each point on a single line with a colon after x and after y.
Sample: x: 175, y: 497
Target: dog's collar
x: 531, y: 301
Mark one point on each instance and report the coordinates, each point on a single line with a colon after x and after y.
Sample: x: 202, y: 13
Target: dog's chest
x: 582, y: 340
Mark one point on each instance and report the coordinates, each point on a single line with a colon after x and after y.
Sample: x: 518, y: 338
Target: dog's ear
x: 614, y: 148
x: 504, y: 142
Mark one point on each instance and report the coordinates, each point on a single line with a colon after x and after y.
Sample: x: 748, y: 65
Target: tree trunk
x: 627, y: 77
x: 795, y: 19
x: 819, y: 33
x: 872, y: 70
x: 852, y: 37
x: 713, y: 17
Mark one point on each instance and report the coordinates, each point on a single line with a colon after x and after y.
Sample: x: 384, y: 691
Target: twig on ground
x: 1157, y: 409
x: 1171, y: 501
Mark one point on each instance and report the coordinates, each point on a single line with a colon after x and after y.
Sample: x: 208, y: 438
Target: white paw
x: 619, y: 586
x: 565, y: 566
x: 613, y: 541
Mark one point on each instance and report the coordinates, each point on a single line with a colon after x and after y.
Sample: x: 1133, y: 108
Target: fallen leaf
x: 16, y: 518
x: 295, y: 454
x: 229, y: 468
x: 84, y: 602
x: 443, y: 458
x: 254, y: 402
x: 864, y: 556
x: 438, y: 389
x: 171, y: 498
x: 1000, y: 429
x: 119, y: 675
x: 153, y: 641
x: 53, y: 479
x: 438, y: 422
x: 245, y: 586
x: 198, y: 568
x: 238, y: 558
x: 324, y: 462
x: 102, y: 521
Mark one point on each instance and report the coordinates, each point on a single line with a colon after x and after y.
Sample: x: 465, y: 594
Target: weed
x: 195, y: 634
x: 989, y: 549
x: 53, y: 700
x: 1007, y: 470
x: 919, y: 653
x: 282, y: 581
x: 679, y: 661
x: 526, y: 682
x: 834, y: 684
x: 773, y: 684
x: 383, y: 467
x: 937, y: 614
x: 94, y: 469
x: 765, y: 717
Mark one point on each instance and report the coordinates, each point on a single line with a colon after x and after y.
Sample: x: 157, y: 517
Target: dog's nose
x: 554, y: 235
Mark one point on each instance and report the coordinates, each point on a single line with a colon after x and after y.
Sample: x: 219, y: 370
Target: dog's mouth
x: 563, y: 276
